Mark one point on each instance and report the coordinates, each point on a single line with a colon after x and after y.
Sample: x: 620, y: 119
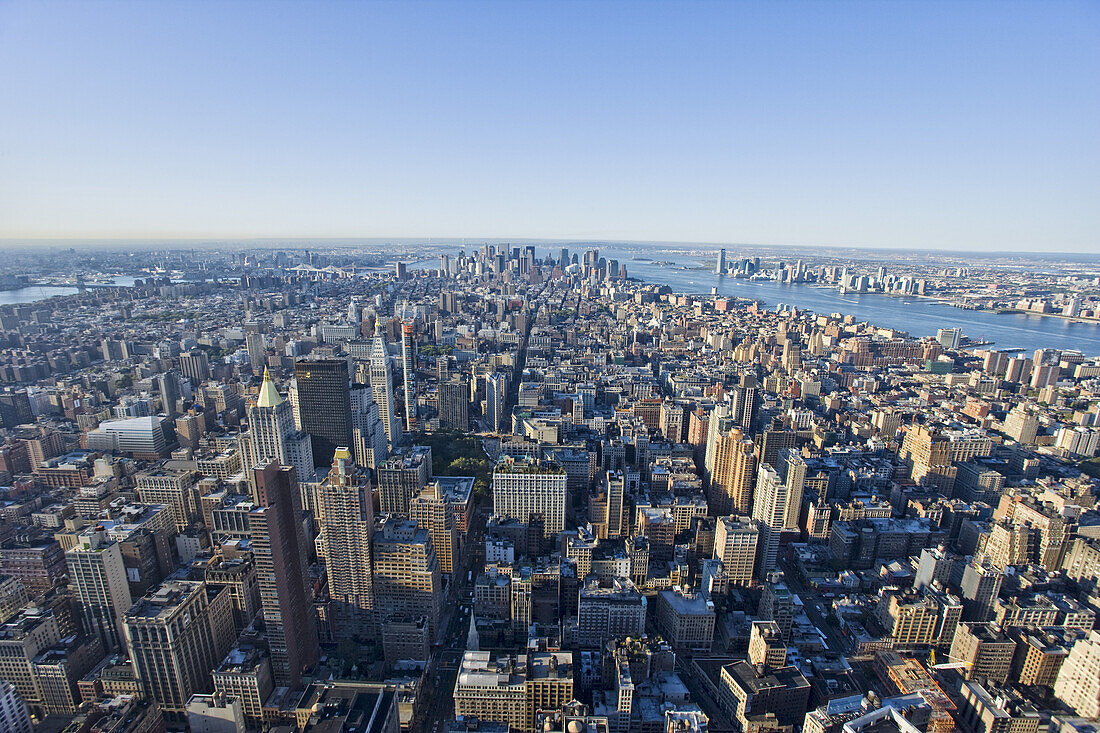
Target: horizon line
x: 456, y: 239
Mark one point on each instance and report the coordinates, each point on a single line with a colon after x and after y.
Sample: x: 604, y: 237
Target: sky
x: 958, y: 125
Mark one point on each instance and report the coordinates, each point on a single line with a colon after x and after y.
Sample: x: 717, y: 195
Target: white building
x: 523, y: 488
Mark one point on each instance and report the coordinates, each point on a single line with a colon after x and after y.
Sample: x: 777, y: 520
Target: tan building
x: 735, y: 542
x: 985, y: 650
x: 766, y: 645
x: 345, y: 544
x: 686, y: 619
x: 407, y: 580
x: 511, y: 689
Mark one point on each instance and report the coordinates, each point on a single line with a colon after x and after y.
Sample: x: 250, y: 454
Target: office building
x: 272, y: 435
x: 97, y: 572
x: 525, y: 489
x: 245, y: 674
x: 215, y: 713
x: 279, y: 550
x: 735, y: 544
x: 496, y: 394
x: 14, y: 716
x: 512, y: 688
x: 433, y: 512
x: 1078, y: 682
x: 454, y: 400
x: 407, y: 579
x: 770, y: 512
x: 345, y: 502
x: 981, y: 584
x: 369, y: 444
x: 142, y: 437
x: 177, y: 635
x: 381, y: 381
x: 402, y: 476
x: 324, y: 403
x: 605, y: 613
x: 686, y: 620
x: 985, y: 651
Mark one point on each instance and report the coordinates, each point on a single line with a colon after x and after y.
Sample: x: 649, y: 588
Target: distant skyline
x: 931, y: 125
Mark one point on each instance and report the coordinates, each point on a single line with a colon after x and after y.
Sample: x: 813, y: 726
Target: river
x: 918, y: 316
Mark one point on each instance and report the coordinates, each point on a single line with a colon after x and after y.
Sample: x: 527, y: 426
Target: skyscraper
x: 369, y: 444
x: 169, y: 383
x: 432, y: 512
x: 345, y: 502
x: 408, y: 344
x: 720, y: 266
x: 981, y: 584
x: 279, y: 549
x: 735, y: 544
x: 381, y: 381
x: 407, y: 580
x: 454, y: 400
x: 325, y: 403
x: 729, y: 465
x: 272, y: 435
x: 770, y: 510
x: 745, y: 403
x: 402, y: 476
x: 496, y: 388
x: 176, y: 640
x: 98, y: 573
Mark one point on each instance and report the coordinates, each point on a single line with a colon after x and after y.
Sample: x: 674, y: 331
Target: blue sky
x: 967, y: 125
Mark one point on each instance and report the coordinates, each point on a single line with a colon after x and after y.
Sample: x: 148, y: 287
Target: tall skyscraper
x: 408, y: 373
x: 176, y: 638
x: 794, y: 475
x: 381, y: 381
x: 432, y: 512
x: 407, y: 579
x: 454, y: 400
x: 770, y: 510
x: 279, y: 549
x: 271, y: 433
x: 325, y: 403
x: 345, y: 502
x: 369, y: 443
x: 169, y: 383
x: 496, y: 390
x: 98, y: 573
x: 729, y: 465
x: 720, y: 266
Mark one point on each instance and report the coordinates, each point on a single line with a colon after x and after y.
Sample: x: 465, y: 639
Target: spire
x: 472, y: 642
x: 269, y: 396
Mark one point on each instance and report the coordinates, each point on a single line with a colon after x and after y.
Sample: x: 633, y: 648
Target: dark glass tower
x: 324, y: 402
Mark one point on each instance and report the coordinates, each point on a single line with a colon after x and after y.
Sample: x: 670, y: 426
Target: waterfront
x: 33, y: 293
x: 918, y: 316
